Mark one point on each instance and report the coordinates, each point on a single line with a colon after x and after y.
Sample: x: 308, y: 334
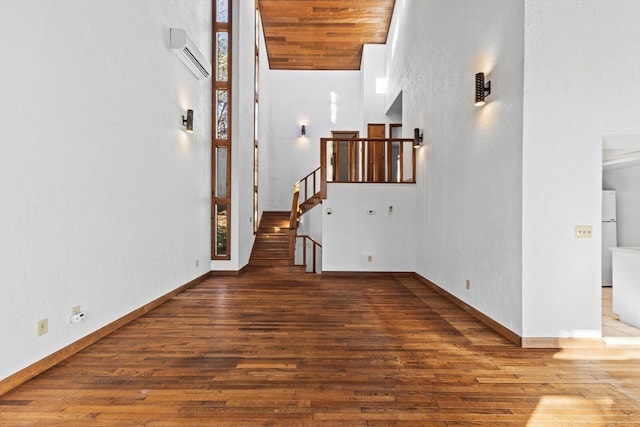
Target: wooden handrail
x: 304, y: 238
x: 293, y: 217
x: 366, y: 160
x: 293, y: 224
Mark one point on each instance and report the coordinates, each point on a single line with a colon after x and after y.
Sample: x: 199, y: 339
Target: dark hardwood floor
x: 274, y: 348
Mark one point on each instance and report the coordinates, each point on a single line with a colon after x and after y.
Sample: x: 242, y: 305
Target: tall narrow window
x: 221, y: 133
x: 255, y: 123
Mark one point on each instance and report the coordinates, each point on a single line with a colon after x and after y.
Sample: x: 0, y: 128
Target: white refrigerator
x: 609, y: 236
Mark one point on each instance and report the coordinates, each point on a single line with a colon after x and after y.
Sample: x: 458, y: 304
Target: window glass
x: 222, y: 58
x: 222, y: 119
x: 222, y: 7
x: 221, y: 229
x: 221, y: 172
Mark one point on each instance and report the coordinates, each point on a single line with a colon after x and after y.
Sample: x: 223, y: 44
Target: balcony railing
x: 364, y: 160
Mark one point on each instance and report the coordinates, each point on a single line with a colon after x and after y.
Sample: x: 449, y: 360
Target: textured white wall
x: 351, y: 234
x: 373, y: 68
x: 104, y: 199
x: 304, y: 97
x: 469, y: 169
x: 581, y: 73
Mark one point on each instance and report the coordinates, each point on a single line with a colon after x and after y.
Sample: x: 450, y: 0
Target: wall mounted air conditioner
x: 182, y: 45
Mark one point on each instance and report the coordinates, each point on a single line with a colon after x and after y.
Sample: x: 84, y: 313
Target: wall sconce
x: 417, y: 138
x: 482, y: 89
x: 303, y: 131
x: 187, y: 121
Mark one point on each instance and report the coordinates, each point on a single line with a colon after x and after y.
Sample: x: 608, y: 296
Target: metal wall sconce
x: 187, y: 121
x: 482, y: 89
x: 303, y: 130
x: 417, y: 138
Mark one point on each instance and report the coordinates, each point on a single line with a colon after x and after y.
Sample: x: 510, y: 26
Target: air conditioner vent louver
x: 182, y: 45
x: 197, y: 63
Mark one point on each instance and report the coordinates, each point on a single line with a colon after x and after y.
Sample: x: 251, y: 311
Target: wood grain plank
x: 327, y: 35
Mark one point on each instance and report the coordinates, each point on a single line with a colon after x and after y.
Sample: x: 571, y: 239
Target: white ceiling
x: 620, y: 149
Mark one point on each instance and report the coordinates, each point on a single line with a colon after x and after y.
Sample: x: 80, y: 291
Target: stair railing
x: 316, y: 245
x: 310, y: 191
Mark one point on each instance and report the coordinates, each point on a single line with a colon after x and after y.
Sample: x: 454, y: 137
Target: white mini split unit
x: 182, y: 45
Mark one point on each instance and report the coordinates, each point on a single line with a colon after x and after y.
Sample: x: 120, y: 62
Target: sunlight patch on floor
x: 558, y: 409
x: 611, y: 354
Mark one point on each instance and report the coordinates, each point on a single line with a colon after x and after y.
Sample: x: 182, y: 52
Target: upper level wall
x: 104, y: 199
x: 380, y: 221
x: 324, y: 101
x: 374, y: 85
x: 469, y: 171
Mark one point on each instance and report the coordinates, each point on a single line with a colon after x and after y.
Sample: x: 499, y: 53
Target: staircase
x: 276, y: 237
x: 271, y: 246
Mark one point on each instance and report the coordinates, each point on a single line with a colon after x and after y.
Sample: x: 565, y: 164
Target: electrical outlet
x: 369, y: 258
x: 468, y: 284
x: 197, y: 262
x: 583, y: 231
x: 43, y: 327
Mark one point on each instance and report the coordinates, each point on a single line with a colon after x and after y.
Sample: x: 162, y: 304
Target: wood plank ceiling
x: 322, y: 34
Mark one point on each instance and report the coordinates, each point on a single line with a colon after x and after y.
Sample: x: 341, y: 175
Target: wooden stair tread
x: 271, y: 245
x: 269, y: 262
x: 273, y: 230
x: 272, y: 236
x: 310, y: 202
x: 271, y: 253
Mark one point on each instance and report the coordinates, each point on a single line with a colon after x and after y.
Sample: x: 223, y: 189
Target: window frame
x: 220, y: 86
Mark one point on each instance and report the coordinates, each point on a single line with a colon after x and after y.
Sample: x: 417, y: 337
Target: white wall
x: 296, y: 98
x: 625, y: 179
x: 581, y: 73
x: 351, y: 234
x: 469, y: 169
x: 104, y: 199
x: 243, y: 131
x: 373, y: 70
